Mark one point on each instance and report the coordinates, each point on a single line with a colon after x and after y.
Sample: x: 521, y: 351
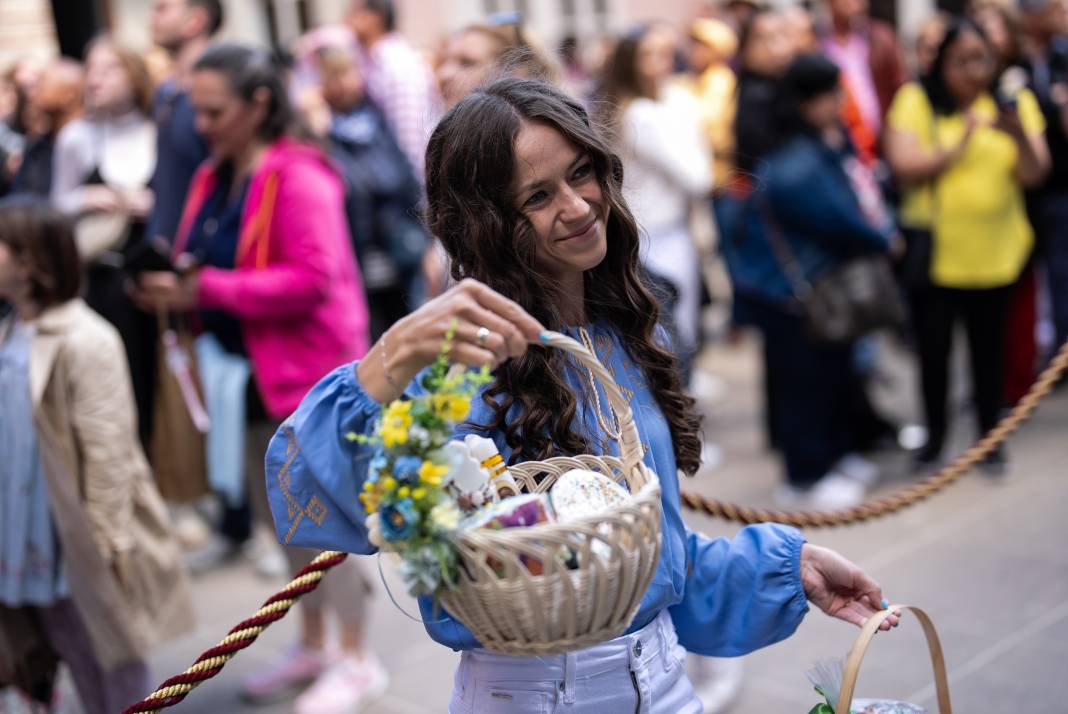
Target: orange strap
x: 258, y: 231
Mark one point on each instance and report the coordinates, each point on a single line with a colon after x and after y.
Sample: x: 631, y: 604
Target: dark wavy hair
x: 469, y: 174
x: 934, y: 82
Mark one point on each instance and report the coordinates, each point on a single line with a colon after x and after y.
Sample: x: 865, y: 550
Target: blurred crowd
x: 190, y: 238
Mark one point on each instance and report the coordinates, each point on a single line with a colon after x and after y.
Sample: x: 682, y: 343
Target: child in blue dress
x: 525, y: 196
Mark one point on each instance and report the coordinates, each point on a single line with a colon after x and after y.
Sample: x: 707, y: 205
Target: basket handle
x: 856, y: 656
x: 631, y: 447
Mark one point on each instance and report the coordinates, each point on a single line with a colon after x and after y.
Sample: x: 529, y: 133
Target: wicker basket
x: 856, y: 656
x: 564, y: 608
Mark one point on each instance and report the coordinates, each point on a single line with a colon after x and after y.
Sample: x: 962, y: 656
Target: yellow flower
x: 403, y: 492
x: 418, y: 494
x: 451, y: 406
x: 395, y: 423
x: 432, y: 474
x: 389, y: 483
x: 400, y: 408
x: 369, y: 501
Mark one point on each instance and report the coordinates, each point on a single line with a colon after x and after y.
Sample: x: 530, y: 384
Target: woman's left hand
x: 840, y: 588
x: 167, y: 290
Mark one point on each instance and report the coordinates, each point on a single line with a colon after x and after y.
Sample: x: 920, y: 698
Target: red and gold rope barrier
x: 211, y: 662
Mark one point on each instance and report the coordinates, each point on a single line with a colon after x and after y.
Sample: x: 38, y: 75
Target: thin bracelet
x: 385, y: 365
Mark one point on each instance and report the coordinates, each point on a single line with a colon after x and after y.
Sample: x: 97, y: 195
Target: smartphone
x: 1010, y: 84
x: 148, y: 256
x: 1004, y: 100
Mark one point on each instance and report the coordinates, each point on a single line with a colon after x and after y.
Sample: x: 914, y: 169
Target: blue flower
x: 406, y: 469
x: 375, y: 466
x: 399, y: 520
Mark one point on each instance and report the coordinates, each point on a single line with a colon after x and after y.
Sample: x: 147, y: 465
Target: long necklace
x: 616, y: 433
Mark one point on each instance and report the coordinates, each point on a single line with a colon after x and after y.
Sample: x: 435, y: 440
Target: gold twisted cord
x: 211, y: 662
x: 908, y: 495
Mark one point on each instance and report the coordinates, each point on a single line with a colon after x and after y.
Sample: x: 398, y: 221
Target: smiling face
x: 556, y: 188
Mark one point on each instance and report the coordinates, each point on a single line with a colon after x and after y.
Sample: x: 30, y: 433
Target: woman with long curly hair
x: 526, y: 198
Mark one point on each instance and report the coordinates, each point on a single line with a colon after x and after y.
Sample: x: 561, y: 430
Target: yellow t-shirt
x: 982, y: 237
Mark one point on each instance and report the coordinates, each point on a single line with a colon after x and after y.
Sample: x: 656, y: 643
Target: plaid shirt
x: 401, y: 84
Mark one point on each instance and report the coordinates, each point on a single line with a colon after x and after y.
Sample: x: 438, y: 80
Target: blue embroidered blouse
x: 725, y: 597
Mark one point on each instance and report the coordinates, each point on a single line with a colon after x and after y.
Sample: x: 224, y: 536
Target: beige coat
x: 123, y: 563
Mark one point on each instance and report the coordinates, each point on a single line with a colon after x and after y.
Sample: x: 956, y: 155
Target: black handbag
x: 848, y: 301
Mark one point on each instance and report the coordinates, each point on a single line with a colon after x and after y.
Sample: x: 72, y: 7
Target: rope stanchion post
x: 212, y: 661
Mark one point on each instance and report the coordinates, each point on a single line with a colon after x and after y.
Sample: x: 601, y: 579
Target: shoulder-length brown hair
x: 134, y: 66
x: 42, y: 238
x: 469, y: 167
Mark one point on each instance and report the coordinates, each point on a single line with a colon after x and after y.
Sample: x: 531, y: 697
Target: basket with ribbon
x: 536, y: 558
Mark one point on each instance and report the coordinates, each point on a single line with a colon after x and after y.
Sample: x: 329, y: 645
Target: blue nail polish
x: 886, y: 604
x: 544, y: 337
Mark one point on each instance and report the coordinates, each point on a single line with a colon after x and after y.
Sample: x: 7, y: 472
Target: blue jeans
x: 642, y: 672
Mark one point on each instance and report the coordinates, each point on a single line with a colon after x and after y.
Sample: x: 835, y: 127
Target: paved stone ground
x: 986, y: 559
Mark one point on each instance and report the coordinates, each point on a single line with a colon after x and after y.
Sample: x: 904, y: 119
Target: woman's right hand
x: 415, y: 341
x: 98, y: 197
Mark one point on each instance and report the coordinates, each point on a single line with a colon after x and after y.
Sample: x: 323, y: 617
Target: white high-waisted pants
x: 642, y: 672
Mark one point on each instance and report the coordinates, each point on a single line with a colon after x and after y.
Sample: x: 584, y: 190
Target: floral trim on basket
x: 410, y: 510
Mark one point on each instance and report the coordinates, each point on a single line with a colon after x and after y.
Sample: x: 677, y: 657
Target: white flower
x: 467, y: 474
x: 419, y: 435
x: 374, y: 530
x: 445, y: 516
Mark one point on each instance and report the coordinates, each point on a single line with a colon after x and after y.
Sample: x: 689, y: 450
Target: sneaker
x: 856, y: 467
x: 346, y: 687
x: 289, y: 673
x: 716, y: 681
x: 835, y: 491
x: 926, y: 462
x: 911, y: 437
